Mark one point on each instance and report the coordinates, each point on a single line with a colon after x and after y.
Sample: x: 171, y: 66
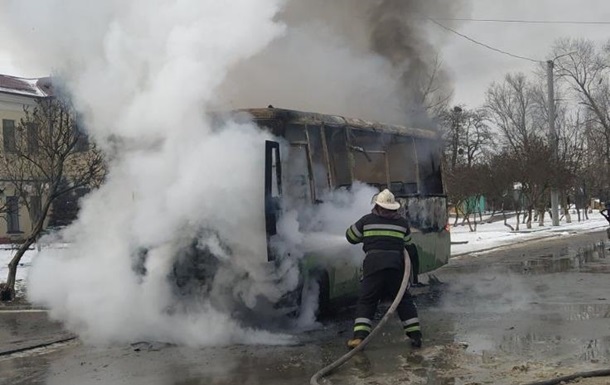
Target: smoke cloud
x: 376, y: 60
x: 142, y: 73
x: 320, y: 230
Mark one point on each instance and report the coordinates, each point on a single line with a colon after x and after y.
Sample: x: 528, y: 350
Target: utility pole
x: 456, y: 135
x: 553, y: 139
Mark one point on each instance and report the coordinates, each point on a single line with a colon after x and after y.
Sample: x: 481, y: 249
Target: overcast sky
x: 474, y: 67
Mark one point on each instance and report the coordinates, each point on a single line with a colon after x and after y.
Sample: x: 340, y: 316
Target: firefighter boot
x: 415, y: 339
x: 353, y: 343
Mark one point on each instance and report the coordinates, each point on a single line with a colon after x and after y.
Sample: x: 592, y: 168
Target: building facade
x: 16, y: 94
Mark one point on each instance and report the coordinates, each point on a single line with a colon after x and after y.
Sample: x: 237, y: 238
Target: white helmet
x: 386, y: 200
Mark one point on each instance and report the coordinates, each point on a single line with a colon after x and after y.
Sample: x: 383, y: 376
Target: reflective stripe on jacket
x: 380, y: 233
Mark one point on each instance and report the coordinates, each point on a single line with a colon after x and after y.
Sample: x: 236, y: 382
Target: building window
x: 35, y: 208
x: 32, y: 137
x: 12, y: 214
x: 8, y: 135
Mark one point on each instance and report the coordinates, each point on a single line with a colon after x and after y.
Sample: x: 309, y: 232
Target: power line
x: 519, y: 21
x: 483, y: 44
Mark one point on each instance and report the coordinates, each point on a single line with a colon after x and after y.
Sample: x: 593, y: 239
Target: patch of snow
x: 491, y: 235
x: 7, y: 252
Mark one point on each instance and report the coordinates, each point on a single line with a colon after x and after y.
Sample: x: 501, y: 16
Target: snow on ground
x: 487, y: 236
x: 8, y: 251
x: 495, y: 234
x: 6, y: 254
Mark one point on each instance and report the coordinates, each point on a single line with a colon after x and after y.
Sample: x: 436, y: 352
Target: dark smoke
x: 371, y: 59
x: 399, y: 33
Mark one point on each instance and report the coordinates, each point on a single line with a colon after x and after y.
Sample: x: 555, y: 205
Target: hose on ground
x: 572, y: 377
x: 403, y: 288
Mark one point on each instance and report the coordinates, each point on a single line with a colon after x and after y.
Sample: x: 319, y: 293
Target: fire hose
x: 572, y: 377
x: 342, y: 360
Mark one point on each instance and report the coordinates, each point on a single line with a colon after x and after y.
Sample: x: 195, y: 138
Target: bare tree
x: 460, y: 182
x: 585, y: 67
x: 590, y: 181
x: 477, y: 136
x: 496, y: 182
x: 513, y: 107
x: 451, y: 124
x: 516, y: 108
x: 574, y: 157
x: 48, y: 148
x: 467, y: 136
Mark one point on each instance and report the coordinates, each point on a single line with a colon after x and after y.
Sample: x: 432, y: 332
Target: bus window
x: 297, y: 183
x: 339, y: 160
x: 320, y: 163
x: 428, y: 210
x: 429, y: 159
x: 295, y: 133
x: 403, y: 167
x: 371, y: 163
x: 371, y: 167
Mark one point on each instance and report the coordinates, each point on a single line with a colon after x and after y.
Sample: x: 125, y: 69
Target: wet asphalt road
x: 509, y: 316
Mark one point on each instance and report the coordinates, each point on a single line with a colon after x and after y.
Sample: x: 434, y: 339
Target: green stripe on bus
x: 384, y: 233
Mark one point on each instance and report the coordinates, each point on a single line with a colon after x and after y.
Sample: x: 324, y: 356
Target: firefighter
x: 385, y: 234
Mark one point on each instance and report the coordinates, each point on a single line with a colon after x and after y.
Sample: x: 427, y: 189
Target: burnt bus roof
x: 300, y: 117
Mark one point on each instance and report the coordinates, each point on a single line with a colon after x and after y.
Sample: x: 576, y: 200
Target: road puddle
x: 561, y: 261
x: 522, y: 312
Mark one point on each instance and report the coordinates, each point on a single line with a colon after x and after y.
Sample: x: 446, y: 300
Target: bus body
x: 329, y: 152
x: 311, y: 155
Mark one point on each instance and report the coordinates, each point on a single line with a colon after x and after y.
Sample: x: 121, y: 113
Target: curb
x: 8, y: 352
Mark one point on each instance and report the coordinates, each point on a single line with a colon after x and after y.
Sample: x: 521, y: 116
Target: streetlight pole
x: 553, y: 139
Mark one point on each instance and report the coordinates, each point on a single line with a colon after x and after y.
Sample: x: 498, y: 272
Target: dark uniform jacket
x: 385, y: 235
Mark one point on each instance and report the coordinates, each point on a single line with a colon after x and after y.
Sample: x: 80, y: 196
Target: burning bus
x: 314, y: 154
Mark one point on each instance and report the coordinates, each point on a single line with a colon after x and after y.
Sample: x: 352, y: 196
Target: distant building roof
x: 36, y: 87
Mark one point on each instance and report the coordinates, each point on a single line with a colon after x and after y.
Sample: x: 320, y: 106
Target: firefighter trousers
x: 381, y: 285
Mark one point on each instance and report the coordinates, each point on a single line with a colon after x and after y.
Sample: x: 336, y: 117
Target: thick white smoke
x: 320, y: 230
x: 143, y: 73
